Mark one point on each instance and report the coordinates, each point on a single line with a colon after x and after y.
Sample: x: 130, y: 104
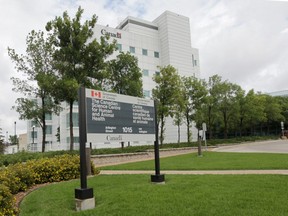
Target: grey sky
x: 244, y: 41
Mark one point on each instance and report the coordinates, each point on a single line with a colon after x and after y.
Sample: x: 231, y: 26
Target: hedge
x: 20, y: 176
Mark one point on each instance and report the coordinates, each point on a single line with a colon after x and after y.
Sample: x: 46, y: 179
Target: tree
x: 79, y: 61
x: 211, y: 108
x: 165, y: 94
x: 227, y: 100
x: 273, y: 111
x: 178, y: 109
x: 2, y: 145
x: 256, y: 113
x: 195, y: 91
x: 37, y: 81
x: 125, y: 75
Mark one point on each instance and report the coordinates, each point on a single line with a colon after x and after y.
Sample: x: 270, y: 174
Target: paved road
x: 273, y: 146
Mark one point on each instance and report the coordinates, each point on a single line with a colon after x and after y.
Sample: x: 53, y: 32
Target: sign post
x: 157, y: 178
x: 83, y: 196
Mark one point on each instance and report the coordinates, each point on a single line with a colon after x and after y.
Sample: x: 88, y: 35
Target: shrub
x: 7, y: 202
x: 55, y: 169
x: 20, y: 176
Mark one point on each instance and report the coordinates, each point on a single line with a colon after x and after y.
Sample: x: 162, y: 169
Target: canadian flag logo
x: 96, y: 94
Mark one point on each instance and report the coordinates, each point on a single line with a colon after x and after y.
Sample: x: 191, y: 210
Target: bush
x: 23, y: 156
x: 59, y: 168
x: 20, y: 176
x: 7, y: 202
x: 17, y: 177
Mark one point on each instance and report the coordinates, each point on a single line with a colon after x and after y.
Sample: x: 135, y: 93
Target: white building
x: 164, y: 41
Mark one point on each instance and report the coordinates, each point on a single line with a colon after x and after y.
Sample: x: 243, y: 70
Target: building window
x: 75, y: 120
x: 35, y: 135
x: 156, y: 54
x: 48, y: 129
x: 146, y: 93
x: 119, y: 47
x: 132, y: 49
x: 144, y: 52
x: 145, y: 72
x: 48, y: 116
x: 194, y: 61
x: 75, y: 139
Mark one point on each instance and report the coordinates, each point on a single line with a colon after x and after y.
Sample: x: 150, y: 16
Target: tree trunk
x: 209, y: 123
x: 225, y: 125
x: 43, y: 125
x: 178, y: 133
x: 71, y: 126
x: 162, y: 129
x: 241, y: 126
x: 188, y: 128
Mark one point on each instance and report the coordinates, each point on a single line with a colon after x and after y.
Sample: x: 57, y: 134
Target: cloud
x: 243, y: 41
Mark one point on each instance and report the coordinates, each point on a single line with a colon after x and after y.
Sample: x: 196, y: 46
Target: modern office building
x: 283, y: 93
x: 164, y: 41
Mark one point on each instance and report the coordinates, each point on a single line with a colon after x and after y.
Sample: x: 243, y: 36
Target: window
x: 146, y: 93
x: 76, y: 139
x: 75, y: 120
x: 119, y: 47
x: 144, y: 52
x: 132, y: 49
x: 35, y: 135
x: 48, y: 116
x: 156, y: 54
x: 48, y: 129
x: 194, y: 61
x: 145, y: 72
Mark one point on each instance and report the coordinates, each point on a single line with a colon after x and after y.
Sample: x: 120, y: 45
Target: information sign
x: 115, y: 117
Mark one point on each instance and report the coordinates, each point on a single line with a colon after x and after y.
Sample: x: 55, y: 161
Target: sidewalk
x: 197, y: 172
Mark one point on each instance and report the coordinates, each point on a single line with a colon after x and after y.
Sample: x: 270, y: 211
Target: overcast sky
x: 244, y: 41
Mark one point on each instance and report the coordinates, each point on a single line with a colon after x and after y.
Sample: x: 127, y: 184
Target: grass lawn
x: 212, y: 161
x: 181, y: 195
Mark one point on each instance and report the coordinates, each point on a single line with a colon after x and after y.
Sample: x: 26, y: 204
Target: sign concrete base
x: 85, y: 204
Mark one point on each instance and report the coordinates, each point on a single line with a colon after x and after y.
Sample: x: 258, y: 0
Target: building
x: 283, y: 93
x: 164, y: 41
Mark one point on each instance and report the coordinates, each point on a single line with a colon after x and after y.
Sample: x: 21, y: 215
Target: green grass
x: 212, y: 161
x: 262, y: 195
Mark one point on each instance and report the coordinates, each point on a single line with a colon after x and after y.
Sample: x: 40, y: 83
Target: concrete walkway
x: 272, y: 146
x: 197, y: 172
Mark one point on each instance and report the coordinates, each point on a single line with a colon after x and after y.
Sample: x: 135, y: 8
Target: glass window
x: 156, y: 54
x: 75, y: 120
x: 194, y: 62
x: 146, y: 93
x: 48, y: 129
x: 132, y: 49
x: 76, y: 139
x: 144, y: 52
x: 145, y: 72
x: 119, y: 47
x: 48, y: 116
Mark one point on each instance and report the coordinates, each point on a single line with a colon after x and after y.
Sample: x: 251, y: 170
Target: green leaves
x: 124, y: 76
